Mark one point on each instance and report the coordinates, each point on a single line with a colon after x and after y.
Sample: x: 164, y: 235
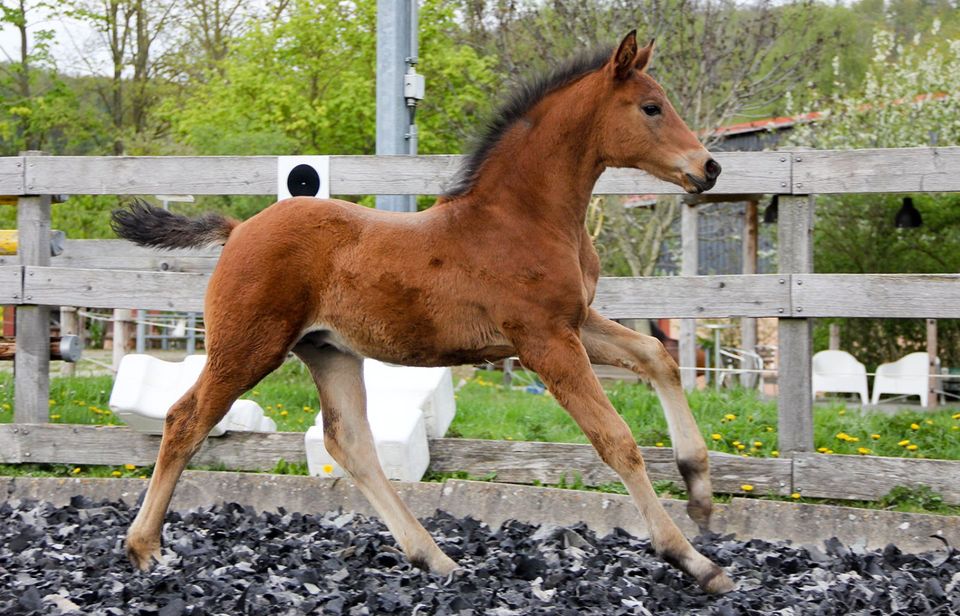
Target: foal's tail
x: 146, y: 225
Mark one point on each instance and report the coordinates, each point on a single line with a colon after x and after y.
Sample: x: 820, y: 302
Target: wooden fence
x: 113, y: 274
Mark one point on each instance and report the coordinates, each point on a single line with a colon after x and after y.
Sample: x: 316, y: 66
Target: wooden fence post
x: 932, y: 380
x: 834, y: 337
x: 31, y: 390
x: 748, y: 325
x: 688, y: 267
x: 123, y: 328
x: 795, y: 333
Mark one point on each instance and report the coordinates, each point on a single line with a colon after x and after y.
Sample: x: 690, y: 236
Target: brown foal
x: 501, y: 265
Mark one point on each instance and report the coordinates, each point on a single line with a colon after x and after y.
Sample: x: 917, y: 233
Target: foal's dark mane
x: 523, y: 98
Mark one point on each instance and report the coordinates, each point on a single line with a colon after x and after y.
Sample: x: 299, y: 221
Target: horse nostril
x: 713, y: 169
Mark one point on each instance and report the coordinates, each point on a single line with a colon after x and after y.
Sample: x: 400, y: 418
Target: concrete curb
x: 494, y: 503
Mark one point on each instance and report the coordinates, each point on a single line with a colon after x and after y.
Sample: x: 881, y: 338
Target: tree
x: 39, y: 110
x: 908, y: 98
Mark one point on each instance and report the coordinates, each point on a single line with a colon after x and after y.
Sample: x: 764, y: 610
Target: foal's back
x: 422, y: 288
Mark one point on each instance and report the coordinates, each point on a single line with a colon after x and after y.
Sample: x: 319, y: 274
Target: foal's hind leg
x: 339, y: 379
x: 562, y: 362
x: 187, y: 424
x: 612, y: 344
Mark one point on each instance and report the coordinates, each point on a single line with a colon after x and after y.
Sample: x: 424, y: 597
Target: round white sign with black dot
x: 303, y: 176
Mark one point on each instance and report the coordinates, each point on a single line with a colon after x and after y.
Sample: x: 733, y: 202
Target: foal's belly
x: 416, y: 345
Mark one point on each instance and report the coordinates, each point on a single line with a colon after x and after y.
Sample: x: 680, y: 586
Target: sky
x: 73, y: 49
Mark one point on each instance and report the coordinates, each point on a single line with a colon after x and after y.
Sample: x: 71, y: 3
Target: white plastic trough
x: 405, y: 406
x: 146, y: 387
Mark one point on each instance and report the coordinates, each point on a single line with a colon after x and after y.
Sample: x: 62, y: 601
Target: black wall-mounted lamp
x: 771, y: 213
x: 909, y: 216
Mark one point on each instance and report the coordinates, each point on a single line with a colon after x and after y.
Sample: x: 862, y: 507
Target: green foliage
x: 915, y: 498
x: 908, y: 98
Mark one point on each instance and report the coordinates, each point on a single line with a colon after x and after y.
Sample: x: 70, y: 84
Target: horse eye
x: 651, y: 110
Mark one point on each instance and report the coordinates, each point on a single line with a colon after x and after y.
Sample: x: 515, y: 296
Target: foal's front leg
x: 561, y: 361
x: 611, y: 344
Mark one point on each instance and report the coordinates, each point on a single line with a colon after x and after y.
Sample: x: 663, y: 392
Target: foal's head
x: 640, y: 128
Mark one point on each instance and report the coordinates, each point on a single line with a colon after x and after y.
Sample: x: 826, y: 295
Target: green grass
x: 734, y: 421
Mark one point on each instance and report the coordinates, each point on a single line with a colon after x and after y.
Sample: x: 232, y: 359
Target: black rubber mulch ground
x: 230, y: 560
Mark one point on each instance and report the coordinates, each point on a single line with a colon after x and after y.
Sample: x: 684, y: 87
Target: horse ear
x: 644, y: 56
x: 624, y: 58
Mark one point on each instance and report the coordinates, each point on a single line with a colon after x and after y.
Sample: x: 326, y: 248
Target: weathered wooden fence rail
x: 810, y: 474
x: 113, y: 274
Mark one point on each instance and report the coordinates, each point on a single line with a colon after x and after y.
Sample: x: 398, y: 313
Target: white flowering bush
x: 910, y: 97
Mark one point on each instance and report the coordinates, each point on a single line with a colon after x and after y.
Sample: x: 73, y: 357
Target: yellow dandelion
x: 747, y: 487
x: 279, y: 406
x: 862, y: 451
x: 283, y: 413
x: 842, y: 412
x: 52, y: 402
x: 843, y: 436
x: 769, y: 428
x: 853, y: 439
x: 955, y: 427
x: 716, y: 436
x: 795, y: 495
x: 255, y: 392
x: 736, y: 442
x: 117, y: 474
x: 741, y: 446
x: 775, y: 454
x: 130, y: 467
x: 729, y: 416
x: 828, y: 452
x: 955, y: 415
x: 914, y: 426
x: 822, y: 449
x: 875, y: 437
x: 904, y: 442
x: 6, y: 407
x: 757, y: 444
x: 143, y: 476
x: 659, y: 444
x: 54, y: 417
x: 76, y: 470
x: 912, y: 447
x: 929, y: 422
x: 307, y: 409
x: 327, y: 469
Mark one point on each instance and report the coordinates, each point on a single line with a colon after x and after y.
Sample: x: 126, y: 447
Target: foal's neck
x: 547, y: 163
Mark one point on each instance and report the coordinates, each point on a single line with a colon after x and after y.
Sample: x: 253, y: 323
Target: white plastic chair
x: 908, y: 376
x: 839, y: 372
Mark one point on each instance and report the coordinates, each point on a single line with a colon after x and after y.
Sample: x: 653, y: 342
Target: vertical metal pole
x: 393, y: 117
x: 69, y: 326
x: 688, y: 267
x: 795, y: 335
x: 31, y: 391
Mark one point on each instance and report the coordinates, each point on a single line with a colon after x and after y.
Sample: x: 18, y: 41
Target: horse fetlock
x: 710, y: 577
x: 699, y: 510
x: 143, y: 553
x: 434, y: 561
